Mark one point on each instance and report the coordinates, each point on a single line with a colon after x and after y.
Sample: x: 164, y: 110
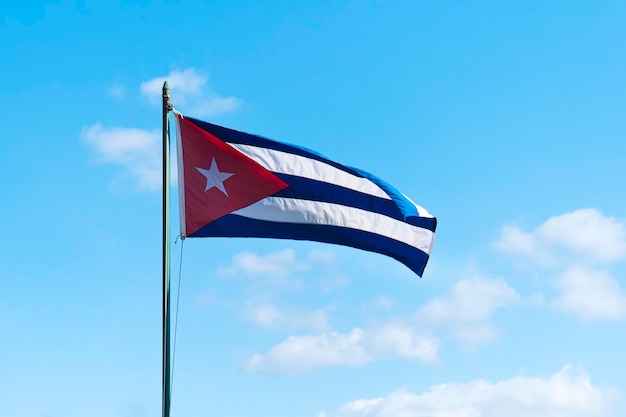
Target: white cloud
x: 467, y: 309
x: 384, y: 302
x: 585, y: 233
x: 330, y: 280
x: 185, y: 83
x: 136, y: 149
x: 590, y: 294
x: 322, y: 257
x: 188, y: 92
x: 117, y: 91
x: 269, y: 315
x: 536, y: 300
x: 215, y: 106
x: 465, y: 312
x: 574, y: 244
x: 303, y: 353
x: 139, y: 151
x: 265, y: 275
x: 517, y: 241
x: 397, y: 340
x: 280, y: 264
x: 567, y: 393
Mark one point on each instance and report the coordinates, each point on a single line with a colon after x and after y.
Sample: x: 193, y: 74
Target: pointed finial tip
x: 166, y: 86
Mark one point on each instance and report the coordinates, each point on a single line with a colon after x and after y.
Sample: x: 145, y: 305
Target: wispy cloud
x: 357, y: 347
x: 301, y: 353
x: 467, y: 309
x: 215, y: 106
x: 267, y: 272
x: 573, y: 246
x: 186, y: 83
x: 117, y: 91
x: 590, y: 294
x: 567, y: 393
x: 584, y: 234
x: 265, y: 276
x: 465, y: 313
x: 280, y: 263
x: 189, y: 92
x: 272, y: 316
x: 136, y: 150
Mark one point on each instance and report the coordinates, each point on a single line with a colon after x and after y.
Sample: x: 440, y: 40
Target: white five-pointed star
x: 215, y: 178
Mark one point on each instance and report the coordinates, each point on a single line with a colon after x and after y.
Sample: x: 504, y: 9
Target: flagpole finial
x: 166, y: 96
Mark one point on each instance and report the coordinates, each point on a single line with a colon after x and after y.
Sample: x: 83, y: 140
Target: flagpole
x: 167, y: 106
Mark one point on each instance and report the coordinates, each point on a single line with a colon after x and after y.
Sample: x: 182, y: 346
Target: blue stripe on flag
x: 407, y: 208
x: 307, y: 189
x: 233, y: 225
x: 234, y: 136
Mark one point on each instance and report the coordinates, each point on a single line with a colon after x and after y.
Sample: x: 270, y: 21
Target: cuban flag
x: 234, y: 184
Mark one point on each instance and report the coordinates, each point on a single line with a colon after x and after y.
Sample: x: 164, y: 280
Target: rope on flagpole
x: 180, y: 269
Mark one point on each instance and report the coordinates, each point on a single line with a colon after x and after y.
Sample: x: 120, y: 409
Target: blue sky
x: 504, y: 119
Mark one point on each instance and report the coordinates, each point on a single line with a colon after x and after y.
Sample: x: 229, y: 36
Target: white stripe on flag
x: 291, y: 210
x: 301, y: 166
x: 421, y: 211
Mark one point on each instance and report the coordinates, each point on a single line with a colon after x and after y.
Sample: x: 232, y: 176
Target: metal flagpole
x: 167, y: 106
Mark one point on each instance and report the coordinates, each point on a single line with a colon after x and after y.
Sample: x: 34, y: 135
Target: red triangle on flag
x: 217, y: 178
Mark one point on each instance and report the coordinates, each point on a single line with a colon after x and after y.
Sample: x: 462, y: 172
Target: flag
x: 234, y: 184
